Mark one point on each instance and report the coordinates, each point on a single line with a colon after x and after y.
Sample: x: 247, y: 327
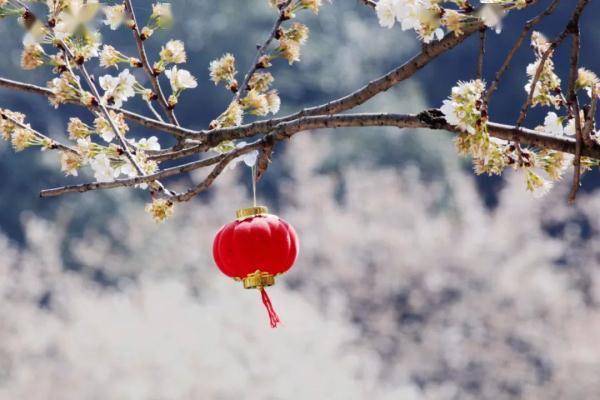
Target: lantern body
x: 256, y: 248
x: 258, y: 244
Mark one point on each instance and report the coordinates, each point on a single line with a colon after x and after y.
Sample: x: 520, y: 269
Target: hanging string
x: 273, y: 317
x: 254, y: 184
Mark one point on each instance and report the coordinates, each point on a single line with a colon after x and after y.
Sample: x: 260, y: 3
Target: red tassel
x: 273, y: 318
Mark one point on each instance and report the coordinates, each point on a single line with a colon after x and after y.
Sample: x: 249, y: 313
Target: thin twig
x: 53, y: 144
x: 506, y: 63
x: 153, y: 110
x: 481, y: 54
x: 68, y: 55
x: 369, y: 3
x: 165, y: 173
x: 146, y: 64
x: 261, y: 50
x: 573, y: 104
x: 590, y: 119
x: 536, y: 78
x: 538, y: 72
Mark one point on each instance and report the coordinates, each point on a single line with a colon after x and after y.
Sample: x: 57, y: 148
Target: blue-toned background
x: 416, y: 279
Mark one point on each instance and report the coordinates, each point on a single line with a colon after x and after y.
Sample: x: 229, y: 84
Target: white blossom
x: 150, y: 143
x: 115, y: 15
x: 553, y: 124
x: 103, y: 171
x: 423, y: 16
x: 69, y: 163
x: 180, y: 79
x: 492, y: 16
x: 461, y: 109
x: 70, y: 18
x: 109, y: 56
x: 173, y: 52
x: 437, y: 34
x: 162, y: 14
x: 85, y: 148
x: 386, y: 12
x: 571, y: 127
x: 118, y: 89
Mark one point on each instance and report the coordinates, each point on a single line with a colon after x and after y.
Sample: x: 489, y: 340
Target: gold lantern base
x: 258, y: 280
x: 244, y: 213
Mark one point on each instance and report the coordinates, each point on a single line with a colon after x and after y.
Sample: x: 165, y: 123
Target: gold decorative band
x: 250, y: 212
x: 259, y: 280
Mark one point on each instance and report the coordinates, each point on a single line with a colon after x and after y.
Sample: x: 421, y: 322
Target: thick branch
x: 428, y: 119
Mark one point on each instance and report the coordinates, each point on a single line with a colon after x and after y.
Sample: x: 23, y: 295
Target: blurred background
x: 416, y: 279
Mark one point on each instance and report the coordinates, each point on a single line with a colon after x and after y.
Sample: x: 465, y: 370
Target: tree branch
x: 318, y: 117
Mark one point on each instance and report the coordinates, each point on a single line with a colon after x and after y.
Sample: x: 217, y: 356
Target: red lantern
x: 256, y: 248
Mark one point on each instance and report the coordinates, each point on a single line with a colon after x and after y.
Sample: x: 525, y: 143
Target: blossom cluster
x: 428, y: 18
x: 466, y: 110
x: 425, y: 17
x: 14, y: 129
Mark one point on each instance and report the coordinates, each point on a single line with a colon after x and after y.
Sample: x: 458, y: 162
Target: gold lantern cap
x: 250, y: 212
